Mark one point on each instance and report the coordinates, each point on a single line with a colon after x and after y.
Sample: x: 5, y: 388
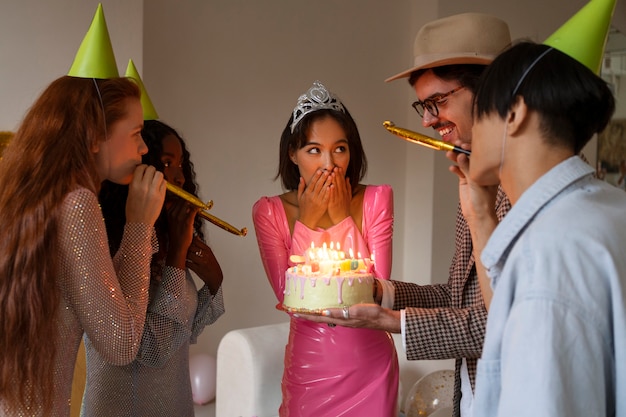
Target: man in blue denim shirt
x: 556, y: 333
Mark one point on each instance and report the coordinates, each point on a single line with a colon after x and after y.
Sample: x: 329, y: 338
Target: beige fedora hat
x: 467, y: 38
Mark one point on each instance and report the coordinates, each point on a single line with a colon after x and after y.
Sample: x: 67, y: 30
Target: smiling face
x: 326, y: 148
x: 454, y: 121
x: 118, y: 156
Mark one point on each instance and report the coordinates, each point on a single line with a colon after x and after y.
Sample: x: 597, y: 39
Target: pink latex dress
x: 336, y: 371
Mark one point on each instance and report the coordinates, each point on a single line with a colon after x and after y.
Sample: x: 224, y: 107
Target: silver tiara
x: 317, y: 98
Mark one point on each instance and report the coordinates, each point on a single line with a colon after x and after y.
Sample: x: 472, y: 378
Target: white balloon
x: 202, y: 371
x: 431, y: 395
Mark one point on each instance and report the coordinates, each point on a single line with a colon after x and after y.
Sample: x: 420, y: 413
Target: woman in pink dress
x: 329, y: 371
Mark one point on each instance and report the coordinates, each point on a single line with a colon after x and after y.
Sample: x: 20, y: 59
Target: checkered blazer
x: 446, y: 321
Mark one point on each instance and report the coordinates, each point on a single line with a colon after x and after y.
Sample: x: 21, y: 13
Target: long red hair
x: 50, y: 156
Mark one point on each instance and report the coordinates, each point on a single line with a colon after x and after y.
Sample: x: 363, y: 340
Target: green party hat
x: 584, y: 35
x: 95, y: 58
x: 149, y: 112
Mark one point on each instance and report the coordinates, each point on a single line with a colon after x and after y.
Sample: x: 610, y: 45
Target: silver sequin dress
x: 157, y: 383
x: 106, y: 299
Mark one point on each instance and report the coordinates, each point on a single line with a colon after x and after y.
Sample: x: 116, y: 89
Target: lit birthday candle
x: 341, y: 255
x: 324, y: 261
x: 354, y: 264
x: 361, y: 266
x: 315, y: 265
x: 373, y: 259
x: 369, y: 263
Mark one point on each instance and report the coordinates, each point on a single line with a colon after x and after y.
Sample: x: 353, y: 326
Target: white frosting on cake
x: 316, y: 292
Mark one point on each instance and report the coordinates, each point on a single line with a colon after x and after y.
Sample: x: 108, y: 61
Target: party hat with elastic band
x: 95, y: 58
x: 149, y: 112
x: 584, y: 35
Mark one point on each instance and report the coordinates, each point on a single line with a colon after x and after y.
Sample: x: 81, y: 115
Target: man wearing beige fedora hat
x: 448, y: 320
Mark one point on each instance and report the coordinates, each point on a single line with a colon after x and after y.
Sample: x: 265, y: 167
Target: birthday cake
x: 326, y: 278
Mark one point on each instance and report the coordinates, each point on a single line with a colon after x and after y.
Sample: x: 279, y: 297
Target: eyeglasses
x: 431, y: 103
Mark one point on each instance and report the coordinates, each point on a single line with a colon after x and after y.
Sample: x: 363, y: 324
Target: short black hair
x: 572, y: 102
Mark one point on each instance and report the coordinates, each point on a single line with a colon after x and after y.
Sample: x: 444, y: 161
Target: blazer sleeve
x: 436, y: 328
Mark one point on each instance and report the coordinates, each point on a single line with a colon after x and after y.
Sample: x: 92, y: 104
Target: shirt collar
x: 529, y: 204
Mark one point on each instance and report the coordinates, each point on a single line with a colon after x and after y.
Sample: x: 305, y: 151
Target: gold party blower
x: 423, y: 140
x: 195, y: 201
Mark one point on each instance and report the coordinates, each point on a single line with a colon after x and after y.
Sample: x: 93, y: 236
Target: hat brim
x: 439, y: 60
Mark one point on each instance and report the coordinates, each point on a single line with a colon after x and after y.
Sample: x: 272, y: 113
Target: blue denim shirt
x: 555, y: 343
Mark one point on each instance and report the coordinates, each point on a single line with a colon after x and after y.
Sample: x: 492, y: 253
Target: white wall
x: 39, y: 39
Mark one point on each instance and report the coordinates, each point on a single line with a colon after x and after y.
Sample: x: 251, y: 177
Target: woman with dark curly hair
x: 157, y: 382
